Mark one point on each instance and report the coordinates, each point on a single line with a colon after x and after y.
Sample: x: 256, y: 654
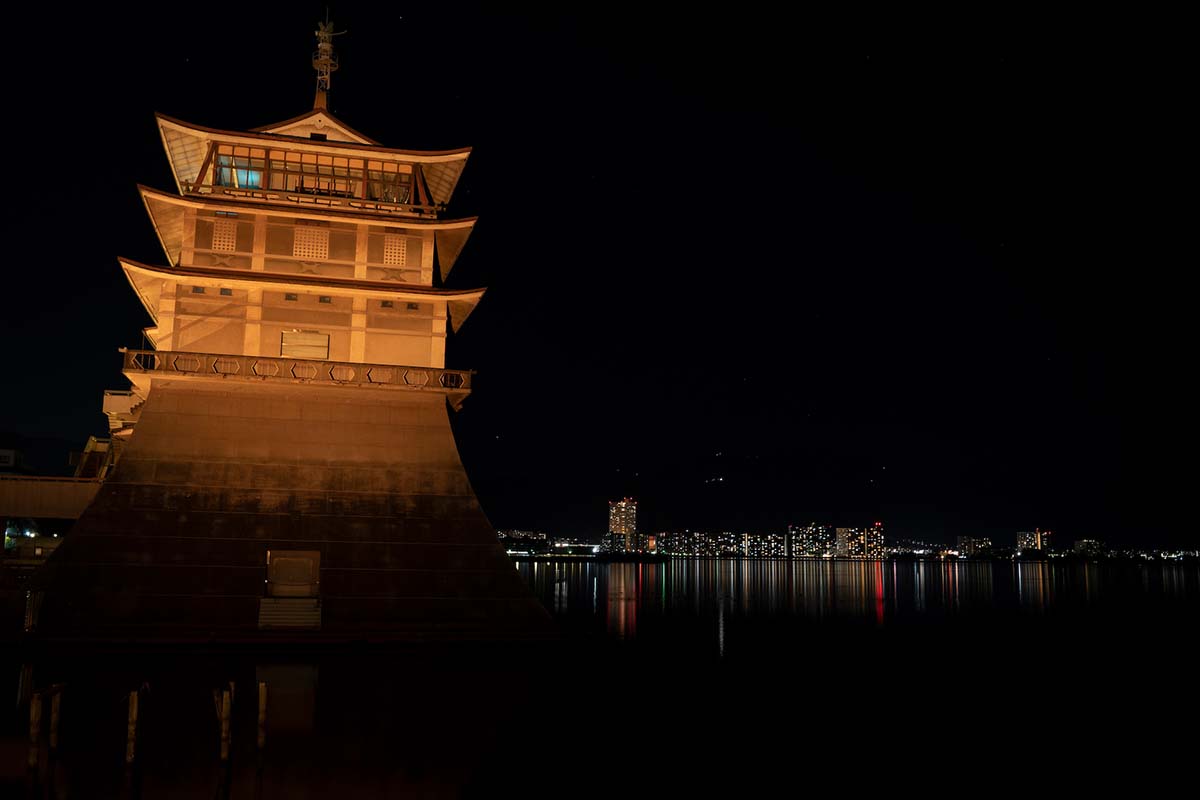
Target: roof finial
x: 324, y: 61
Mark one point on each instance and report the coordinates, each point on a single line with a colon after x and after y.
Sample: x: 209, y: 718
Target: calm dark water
x: 752, y: 678
x: 620, y: 598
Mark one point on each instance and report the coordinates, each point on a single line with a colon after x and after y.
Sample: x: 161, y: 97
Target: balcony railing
x: 297, y: 370
x: 338, y: 200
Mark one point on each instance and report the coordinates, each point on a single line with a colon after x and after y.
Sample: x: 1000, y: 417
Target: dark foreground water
x: 748, y: 678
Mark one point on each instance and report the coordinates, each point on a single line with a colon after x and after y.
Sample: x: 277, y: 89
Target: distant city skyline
x: 811, y: 537
x: 815, y: 542
x: 815, y: 539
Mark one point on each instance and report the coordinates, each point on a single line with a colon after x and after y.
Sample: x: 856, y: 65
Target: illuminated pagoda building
x: 285, y: 461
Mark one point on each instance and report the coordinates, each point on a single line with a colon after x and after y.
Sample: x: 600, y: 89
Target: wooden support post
x: 24, y: 683
x: 35, y: 728
x: 262, y: 714
x: 131, y: 729
x: 226, y: 702
x: 55, y: 701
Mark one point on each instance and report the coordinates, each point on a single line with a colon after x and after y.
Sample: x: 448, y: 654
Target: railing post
x: 131, y: 729
x: 262, y: 714
x: 226, y: 702
x: 35, y: 729
x: 55, y: 702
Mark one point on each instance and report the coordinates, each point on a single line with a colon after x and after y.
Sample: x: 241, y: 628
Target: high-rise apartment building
x: 873, y: 541
x: 850, y: 543
x: 811, y: 540
x: 859, y: 542
x: 973, y: 545
x: 1037, y: 539
x: 622, y: 525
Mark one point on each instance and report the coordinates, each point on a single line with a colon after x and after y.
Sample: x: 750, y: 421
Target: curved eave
x: 280, y: 128
x: 148, y: 289
x: 166, y: 214
x: 185, y: 152
x: 167, y: 219
x: 187, y: 147
x: 459, y: 302
x: 343, y: 148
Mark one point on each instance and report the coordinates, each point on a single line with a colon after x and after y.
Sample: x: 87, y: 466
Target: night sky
x: 749, y: 269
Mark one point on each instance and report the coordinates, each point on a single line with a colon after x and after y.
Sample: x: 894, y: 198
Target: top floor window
x: 314, y: 173
x: 293, y: 171
x: 388, y: 181
x: 239, y: 167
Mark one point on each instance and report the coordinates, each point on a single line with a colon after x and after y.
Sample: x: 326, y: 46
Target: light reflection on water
x: 690, y: 641
x: 619, y: 597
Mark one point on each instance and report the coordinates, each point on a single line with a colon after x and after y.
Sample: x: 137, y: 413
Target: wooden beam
x: 420, y: 186
x: 212, y: 148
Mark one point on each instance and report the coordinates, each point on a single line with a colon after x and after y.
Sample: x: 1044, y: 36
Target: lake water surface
x: 706, y: 677
x: 586, y: 595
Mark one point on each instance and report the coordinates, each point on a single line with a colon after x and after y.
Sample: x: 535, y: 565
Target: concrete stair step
x: 292, y: 612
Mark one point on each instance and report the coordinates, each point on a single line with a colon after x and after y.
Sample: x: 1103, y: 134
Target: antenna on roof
x: 323, y: 60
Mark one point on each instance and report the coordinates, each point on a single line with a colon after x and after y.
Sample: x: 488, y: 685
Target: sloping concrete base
x: 217, y: 473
